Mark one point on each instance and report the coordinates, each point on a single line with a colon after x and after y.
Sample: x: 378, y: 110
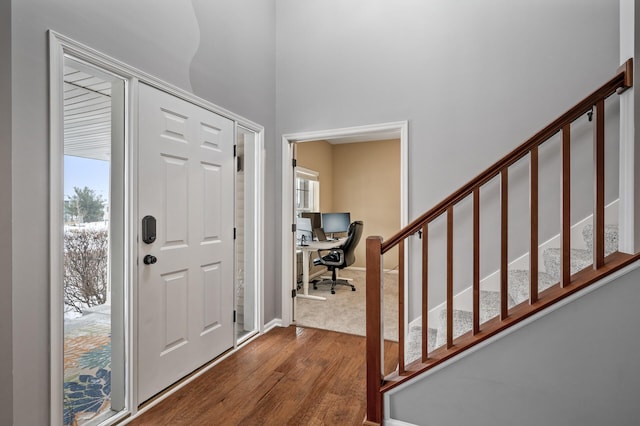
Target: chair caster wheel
x: 315, y: 287
x: 353, y: 289
x: 333, y: 292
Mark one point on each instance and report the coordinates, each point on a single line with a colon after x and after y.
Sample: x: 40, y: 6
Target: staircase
x: 551, y: 276
x: 518, y: 285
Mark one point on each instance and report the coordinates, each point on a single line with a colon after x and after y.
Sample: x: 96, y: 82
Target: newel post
x: 374, y: 330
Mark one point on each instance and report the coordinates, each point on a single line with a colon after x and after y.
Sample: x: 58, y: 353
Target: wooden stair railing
x: 377, y: 382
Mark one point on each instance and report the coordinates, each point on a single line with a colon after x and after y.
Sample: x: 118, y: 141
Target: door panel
x: 186, y: 180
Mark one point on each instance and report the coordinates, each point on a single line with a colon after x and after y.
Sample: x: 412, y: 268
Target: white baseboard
x: 276, y: 322
x: 394, y: 422
x: 464, y: 300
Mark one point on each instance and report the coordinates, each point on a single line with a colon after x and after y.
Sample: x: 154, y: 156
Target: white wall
x: 578, y: 365
x: 6, y: 363
x: 222, y: 51
x: 454, y: 69
x: 474, y: 79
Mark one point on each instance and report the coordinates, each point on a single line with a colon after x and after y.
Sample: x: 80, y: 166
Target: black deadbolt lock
x: 149, y: 259
x: 148, y: 229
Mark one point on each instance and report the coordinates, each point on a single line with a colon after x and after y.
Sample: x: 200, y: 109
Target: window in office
x: 307, y: 190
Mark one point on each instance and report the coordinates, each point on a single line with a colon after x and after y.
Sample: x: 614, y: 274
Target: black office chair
x: 341, y: 257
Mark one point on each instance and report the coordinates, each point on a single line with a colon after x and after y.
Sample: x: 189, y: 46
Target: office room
x: 361, y: 178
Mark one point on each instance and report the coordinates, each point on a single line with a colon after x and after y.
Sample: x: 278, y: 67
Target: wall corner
x: 629, y: 212
x: 6, y: 206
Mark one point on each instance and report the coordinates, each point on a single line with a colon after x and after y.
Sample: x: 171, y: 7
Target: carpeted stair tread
x: 519, y: 284
x: 518, y: 292
x: 490, y: 304
x: 413, y: 345
x: 580, y: 259
x: 610, y: 238
x: 462, y: 322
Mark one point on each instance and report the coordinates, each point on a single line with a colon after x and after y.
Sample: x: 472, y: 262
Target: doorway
x: 388, y: 131
x: 116, y: 148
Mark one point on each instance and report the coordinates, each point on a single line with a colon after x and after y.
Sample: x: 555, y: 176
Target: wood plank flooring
x: 288, y: 376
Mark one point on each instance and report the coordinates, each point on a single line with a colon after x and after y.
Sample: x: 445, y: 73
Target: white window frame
x: 314, y: 179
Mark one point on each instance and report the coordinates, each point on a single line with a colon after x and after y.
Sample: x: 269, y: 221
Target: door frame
x: 59, y: 47
x: 399, y: 129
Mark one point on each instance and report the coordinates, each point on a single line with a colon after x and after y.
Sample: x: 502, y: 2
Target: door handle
x: 149, y: 259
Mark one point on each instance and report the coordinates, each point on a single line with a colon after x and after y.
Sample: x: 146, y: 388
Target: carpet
x: 345, y: 311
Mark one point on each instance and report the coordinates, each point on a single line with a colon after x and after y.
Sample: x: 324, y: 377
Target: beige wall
x: 364, y: 180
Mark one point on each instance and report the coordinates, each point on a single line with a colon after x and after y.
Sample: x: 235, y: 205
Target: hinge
x: 294, y: 162
x: 293, y: 293
x: 235, y: 150
x: 234, y: 233
x: 293, y: 227
x: 234, y: 316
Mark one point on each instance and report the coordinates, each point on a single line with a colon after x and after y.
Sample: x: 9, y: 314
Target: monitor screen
x: 304, y: 231
x: 335, y: 222
x: 316, y: 219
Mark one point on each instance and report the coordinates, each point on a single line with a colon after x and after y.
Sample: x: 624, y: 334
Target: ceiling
x: 87, y: 115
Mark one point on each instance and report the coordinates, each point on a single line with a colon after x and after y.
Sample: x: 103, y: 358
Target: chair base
x: 328, y: 278
x: 339, y: 281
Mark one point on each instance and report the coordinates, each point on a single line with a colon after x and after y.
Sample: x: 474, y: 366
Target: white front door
x: 185, y: 298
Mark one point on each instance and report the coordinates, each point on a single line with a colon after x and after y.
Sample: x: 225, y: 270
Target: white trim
x: 257, y: 146
x: 606, y: 280
x: 58, y: 50
x: 629, y: 238
x: 56, y: 197
x: 314, y: 177
x: 277, y: 322
x: 258, y: 217
x: 287, y: 272
x: 132, y: 231
x: 626, y: 174
x: 307, y: 173
x: 393, y: 422
x: 287, y: 267
x: 363, y: 269
x: 59, y: 46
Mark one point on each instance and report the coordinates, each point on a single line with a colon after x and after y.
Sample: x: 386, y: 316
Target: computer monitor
x: 304, y: 231
x: 316, y: 219
x: 334, y: 223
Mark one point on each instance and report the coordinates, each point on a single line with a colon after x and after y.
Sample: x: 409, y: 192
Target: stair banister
x: 620, y: 82
x: 377, y: 383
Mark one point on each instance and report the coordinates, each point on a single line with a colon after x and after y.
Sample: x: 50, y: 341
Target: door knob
x: 149, y: 259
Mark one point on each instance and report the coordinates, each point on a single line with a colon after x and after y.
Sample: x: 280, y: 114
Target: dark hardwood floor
x: 293, y: 376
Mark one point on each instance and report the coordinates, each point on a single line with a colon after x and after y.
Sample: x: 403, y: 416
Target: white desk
x: 312, y: 247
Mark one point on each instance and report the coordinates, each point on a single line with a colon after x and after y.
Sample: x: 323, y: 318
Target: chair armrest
x: 324, y: 261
